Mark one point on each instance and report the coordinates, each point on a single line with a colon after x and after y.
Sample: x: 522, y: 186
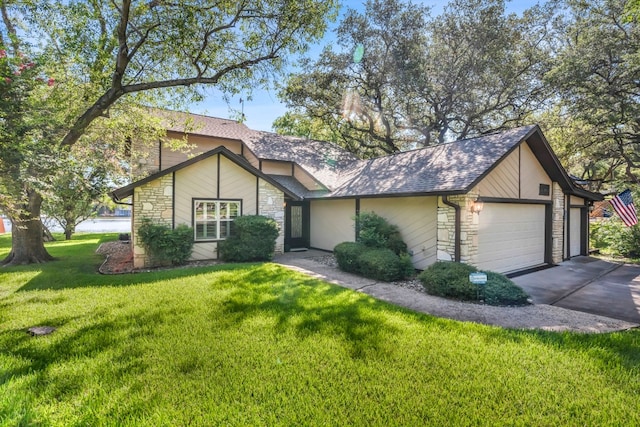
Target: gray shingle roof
x: 203, y: 125
x: 443, y: 168
x: 325, y: 161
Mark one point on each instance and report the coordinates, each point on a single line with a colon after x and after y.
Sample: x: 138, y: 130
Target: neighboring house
x: 501, y: 202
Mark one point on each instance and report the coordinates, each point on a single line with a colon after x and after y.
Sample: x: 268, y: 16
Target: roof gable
x: 126, y: 191
x: 449, y: 168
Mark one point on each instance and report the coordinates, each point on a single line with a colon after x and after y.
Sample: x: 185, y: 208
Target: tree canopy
x: 104, y: 59
x: 422, y: 79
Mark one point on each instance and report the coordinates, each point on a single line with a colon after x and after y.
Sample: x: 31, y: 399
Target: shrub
x: 499, y: 290
x: 375, y: 232
x: 166, y: 245
x: 451, y: 280
x: 612, y: 236
x: 379, y: 252
x: 381, y: 264
x: 253, y: 238
x: 347, y: 254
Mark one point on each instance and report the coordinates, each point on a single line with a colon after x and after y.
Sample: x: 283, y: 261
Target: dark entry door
x: 296, y: 225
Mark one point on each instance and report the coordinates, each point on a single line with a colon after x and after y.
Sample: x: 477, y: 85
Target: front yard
x: 256, y: 344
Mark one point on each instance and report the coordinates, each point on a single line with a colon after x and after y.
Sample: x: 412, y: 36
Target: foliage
x: 384, y: 264
x: 375, y: 231
x: 253, y: 238
x: 451, y: 280
x: 424, y: 80
x: 499, y: 290
x: 185, y: 346
x: 612, y: 236
x: 595, y: 78
x: 166, y: 245
x: 347, y: 254
x: 379, y: 253
x: 100, y: 60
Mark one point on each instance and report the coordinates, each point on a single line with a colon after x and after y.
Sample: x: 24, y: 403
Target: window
x: 544, y: 190
x: 213, y: 219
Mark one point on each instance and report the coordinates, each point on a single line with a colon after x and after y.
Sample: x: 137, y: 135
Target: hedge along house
x: 501, y: 202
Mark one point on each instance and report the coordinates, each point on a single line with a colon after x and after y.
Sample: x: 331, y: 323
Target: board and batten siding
x: 416, y: 217
x: 518, y: 176
x: 306, y: 179
x: 238, y: 183
x: 200, y: 181
x: 332, y: 222
x: 272, y: 167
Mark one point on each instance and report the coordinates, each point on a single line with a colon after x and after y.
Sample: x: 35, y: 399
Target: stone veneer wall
x: 153, y: 200
x: 271, y: 204
x: 468, y: 229
x: 557, y: 224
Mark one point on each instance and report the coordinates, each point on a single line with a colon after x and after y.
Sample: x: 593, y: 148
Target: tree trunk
x: 27, y: 243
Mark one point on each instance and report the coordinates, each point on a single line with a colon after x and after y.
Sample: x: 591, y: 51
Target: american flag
x: 623, y: 204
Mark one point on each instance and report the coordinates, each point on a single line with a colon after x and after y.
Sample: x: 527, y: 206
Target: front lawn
x: 257, y: 344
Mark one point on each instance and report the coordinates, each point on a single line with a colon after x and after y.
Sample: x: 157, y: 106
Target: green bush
x: 347, y: 254
x: 379, y: 252
x: 381, y: 264
x: 375, y: 263
x: 166, y: 245
x: 451, y: 280
x: 253, y: 238
x: 499, y: 290
x: 611, y: 236
x: 375, y: 232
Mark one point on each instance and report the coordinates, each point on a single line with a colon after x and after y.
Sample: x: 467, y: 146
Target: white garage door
x: 511, y: 236
x: 574, y: 237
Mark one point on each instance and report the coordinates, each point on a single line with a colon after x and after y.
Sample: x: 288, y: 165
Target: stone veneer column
x: 468, y: 229
x: 557, y: 224
x: 153, y: 200
x: 271, y: 204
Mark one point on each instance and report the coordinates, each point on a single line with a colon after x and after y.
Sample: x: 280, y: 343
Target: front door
x: 296, y: 234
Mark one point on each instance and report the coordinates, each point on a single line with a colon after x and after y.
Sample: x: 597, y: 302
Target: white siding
x: 532, y: 174
x: 332, y: 223
x: 511, y: 236
x: 200, y: 180
x: 574, y: 236
x: 417, y: 219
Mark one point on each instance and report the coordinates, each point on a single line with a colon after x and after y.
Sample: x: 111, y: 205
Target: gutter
x: 457, y: 228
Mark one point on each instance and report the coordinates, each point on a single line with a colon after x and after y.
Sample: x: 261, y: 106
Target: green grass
x: 256, y: 344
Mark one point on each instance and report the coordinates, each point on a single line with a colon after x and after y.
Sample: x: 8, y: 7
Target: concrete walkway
x: 537, y: 316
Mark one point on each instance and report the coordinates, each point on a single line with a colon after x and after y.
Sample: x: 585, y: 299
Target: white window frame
x: 213, y: 209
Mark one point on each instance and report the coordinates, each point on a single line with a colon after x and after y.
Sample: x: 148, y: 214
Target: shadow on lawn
x: 310, y: 307
x: 72, y: 366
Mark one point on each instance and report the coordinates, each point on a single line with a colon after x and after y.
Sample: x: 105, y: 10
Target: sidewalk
x: 538, y: 316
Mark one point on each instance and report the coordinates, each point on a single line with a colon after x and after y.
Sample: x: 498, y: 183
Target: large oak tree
x: 424, y: 80
x: 112, y: 53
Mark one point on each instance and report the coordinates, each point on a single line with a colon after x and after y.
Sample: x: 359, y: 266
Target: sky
x: 264, y: 106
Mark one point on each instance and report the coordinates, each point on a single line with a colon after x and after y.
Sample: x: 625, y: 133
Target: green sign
x: 478, y: 278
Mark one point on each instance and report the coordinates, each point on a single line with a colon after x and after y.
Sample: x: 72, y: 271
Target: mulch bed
x: 119, y: 259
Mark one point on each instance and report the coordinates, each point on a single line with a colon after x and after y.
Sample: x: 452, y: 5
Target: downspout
x: 457, y: 228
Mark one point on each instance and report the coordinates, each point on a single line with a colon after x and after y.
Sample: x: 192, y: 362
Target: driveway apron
x: 589, y: 285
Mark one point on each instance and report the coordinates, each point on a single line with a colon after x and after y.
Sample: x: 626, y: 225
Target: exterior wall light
x: 476, y: 206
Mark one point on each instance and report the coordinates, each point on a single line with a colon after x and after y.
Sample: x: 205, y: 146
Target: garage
x: 575, y: 225
x: 511, y: 236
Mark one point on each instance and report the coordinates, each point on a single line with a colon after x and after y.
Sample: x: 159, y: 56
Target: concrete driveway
x: 589, y: 285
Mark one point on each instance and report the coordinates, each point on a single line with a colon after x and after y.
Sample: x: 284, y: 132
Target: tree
x: 106, y: 51
x: 424, y: 80
x: 596, y: 77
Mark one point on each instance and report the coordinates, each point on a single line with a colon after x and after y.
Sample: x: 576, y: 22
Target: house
x: 501, y: 202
